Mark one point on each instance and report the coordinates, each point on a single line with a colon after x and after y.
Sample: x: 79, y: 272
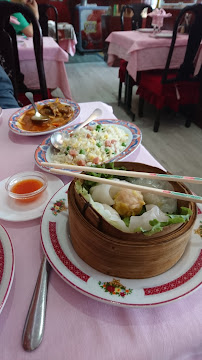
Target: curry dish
x: 59, y: 115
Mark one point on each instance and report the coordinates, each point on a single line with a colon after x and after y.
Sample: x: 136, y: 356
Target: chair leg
x: 130, y: 92
x: 126, y: 89
x: 157, y: 121
x: 140, y: 107
x: 190, y: 113
x: 120, y: 91
x: 188, y: 122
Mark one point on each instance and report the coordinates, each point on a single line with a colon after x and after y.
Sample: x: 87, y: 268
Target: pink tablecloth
x: 54, y: 64
x: 69, y: 45
x: 77, y: 327
x: 144, y: 52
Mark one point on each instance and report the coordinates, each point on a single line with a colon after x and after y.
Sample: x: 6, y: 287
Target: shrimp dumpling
x: 167, y: 205
x: 128, y: 202
x: 153, y: 212
x: 104, y: 193
x: 110, y: 215
x: 100, y: 193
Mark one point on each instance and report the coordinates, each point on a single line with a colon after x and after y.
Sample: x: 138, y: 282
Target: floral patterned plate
x: 179, y: 281
x: 7, y: 266
x: 14, y: 124
x: 45, y: 149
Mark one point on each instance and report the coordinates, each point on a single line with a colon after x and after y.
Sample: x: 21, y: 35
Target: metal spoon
x: 37, y: 116
x: 35, y: 320
x: 58, y: 138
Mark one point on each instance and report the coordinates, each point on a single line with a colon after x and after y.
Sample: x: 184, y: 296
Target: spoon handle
x: 35, y: 321
x: 95, y: 114
x: 29, y: 95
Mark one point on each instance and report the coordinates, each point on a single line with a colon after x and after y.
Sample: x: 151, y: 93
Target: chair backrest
x: 136, y: 20
x: 43, y: 19
x: 186, y: 69
x: 8, y: 45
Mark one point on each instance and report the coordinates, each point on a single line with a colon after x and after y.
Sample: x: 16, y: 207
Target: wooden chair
x: 43, y: 19
x: 9, y: 52
x: 124, y: 77
x: 175, y: 88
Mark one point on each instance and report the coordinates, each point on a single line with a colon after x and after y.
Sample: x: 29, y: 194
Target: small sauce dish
x: 26, y: 186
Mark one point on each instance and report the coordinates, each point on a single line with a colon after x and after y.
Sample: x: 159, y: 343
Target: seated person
x: 7, y: 99
x: 24, y: 27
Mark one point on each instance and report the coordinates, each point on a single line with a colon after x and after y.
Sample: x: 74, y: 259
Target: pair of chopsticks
x: 60, y: 170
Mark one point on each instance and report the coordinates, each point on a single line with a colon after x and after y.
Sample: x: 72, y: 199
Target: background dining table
x: 54, y: 64
x: 77, y: 326
x: 66, y: 35
x: 144, y: 52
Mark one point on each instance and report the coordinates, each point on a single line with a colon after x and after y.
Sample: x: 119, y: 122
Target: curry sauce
x: 59, y: 114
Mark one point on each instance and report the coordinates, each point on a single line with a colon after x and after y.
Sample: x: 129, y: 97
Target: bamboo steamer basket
x: 126, y: 255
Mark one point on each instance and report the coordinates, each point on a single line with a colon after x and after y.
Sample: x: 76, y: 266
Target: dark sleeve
x: 7, y: 99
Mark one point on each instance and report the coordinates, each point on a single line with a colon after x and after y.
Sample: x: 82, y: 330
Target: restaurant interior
x: 102, y: 263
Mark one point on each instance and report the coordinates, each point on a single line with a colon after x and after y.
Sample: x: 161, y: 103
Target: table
x: 67, y: 38
x: 78, y: 327
x: 54, y: 64
x: 143, y: 52
x: 66, y: 35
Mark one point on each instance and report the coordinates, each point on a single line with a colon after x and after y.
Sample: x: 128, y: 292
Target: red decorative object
x: 199, y: 211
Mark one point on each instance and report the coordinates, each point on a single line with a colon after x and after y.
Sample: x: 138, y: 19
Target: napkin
x: 14, y: 20
x: 158, y: 16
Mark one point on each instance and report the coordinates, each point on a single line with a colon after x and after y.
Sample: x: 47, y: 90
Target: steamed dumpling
x: 167, y: 205
x: 100, y: 193
x: 128, y: 202
x: 104, y: 193
x: 110, y: 215
x: 153, y: 212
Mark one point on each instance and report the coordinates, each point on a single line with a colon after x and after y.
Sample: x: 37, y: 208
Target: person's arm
x: 32, y: 4
x: 28, y: 31
x: 24, y: 27
x: 7, y: 99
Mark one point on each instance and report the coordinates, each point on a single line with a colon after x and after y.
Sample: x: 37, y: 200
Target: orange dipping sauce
x: 27, y: 186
